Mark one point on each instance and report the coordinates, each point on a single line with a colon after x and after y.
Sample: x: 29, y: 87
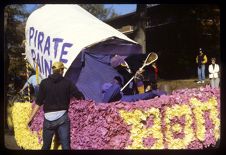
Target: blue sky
x: 30, y: 7
x: 120, y: 9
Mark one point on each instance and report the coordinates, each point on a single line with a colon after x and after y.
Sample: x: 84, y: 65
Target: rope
x: 37, y: 73
x: 24, y: 43
x: 28, y: 88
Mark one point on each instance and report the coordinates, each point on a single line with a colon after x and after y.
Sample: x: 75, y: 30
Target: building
x: 175, y: 32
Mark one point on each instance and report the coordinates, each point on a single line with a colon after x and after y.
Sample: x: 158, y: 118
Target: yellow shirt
x: 204, y: 61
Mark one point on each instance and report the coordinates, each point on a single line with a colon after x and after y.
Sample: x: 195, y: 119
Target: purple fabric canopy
x: 93, y: 66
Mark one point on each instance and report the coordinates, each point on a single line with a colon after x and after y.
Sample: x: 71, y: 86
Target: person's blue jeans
x: 201, y: 73
x: 61, y: 127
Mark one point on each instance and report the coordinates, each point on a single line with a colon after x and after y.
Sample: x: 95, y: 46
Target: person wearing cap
x: 201, y: 60
x: 111, y: 92
x: 54, y: 94
x: 124, y: 70
x: 213, y: 73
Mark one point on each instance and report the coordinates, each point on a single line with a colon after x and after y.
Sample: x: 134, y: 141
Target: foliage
x: 208, y: 22
x: 16, y: 16
x: 15, y: 25
x: 99, y: 11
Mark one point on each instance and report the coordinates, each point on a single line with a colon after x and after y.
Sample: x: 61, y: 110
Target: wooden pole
x: 28, y: 88
x: 37, y: 73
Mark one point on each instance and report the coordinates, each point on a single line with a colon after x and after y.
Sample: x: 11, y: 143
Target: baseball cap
x: 58, y: 65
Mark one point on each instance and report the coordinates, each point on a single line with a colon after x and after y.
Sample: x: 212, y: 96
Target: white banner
x: 59, y: 32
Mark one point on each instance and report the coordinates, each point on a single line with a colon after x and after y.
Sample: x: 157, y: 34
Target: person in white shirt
x: 214, y: 74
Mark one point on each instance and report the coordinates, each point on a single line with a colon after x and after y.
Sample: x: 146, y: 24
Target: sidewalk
x: 10, y: 142
x: 170, y: 85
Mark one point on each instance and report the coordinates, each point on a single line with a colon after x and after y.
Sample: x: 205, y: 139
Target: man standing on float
x: 54, y: 94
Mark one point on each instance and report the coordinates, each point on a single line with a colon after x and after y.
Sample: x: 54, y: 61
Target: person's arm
x: 217, y: 69
x: 39, y: 101
x: 29, y: 81
x: 210, y: 69
x: 205, y: 59
x: 139, y: 73
x: 197, y: 61
x: 78, y: 94
x: 112, y: 94
x: 25, y: 86
x: 75, y: 92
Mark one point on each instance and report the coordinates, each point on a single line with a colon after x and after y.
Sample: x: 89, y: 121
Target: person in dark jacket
x: 124, y: 70
x: 151, y: 76
x: 54, y: 94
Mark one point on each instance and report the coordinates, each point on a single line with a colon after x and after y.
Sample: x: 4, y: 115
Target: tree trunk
x: 139, y: 33
x: 6, y: 65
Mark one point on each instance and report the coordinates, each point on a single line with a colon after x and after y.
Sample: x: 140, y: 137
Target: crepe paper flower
x: 100, y: 125
x: 148, y: 142
x: 178, y: 111
x: 196, y: 144
x: 200, y: 107
x: 25, y: 138
x: 139, y: 131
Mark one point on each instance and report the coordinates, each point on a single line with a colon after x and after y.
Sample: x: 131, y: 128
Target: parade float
x: 186, y: 119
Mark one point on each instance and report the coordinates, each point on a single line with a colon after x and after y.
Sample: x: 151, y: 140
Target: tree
x: 14, y: 16
x: 14, y: 22
x: 208, y: 25
x: 99, y: 11
x: 15, y: 26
